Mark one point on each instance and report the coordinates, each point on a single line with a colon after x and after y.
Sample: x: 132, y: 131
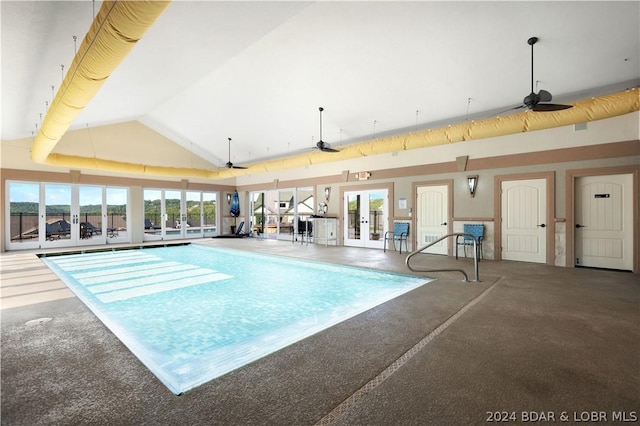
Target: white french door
x: 524, y: 207
x: 164, y: 215
x: 365, y: 218
x: 51, y: 215
x: 604, y: 221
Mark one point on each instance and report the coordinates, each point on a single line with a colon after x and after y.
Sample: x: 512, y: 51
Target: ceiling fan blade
x: 323, y: 146
x: 328, y: 149
x: 530, y: 100
x: 544, y: 96
x: 238, y: 167
x: 550, y: 107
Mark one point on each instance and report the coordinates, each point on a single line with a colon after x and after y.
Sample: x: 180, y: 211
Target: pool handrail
x: 455, y: 234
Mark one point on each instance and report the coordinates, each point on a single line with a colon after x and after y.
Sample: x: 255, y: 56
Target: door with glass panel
x: 191, y: 225
x: 365, y: 218
x: 199, y: 217
x: 89, y: 215
x: 209, y: 214
x: 271, y: 214
x: 44, y: 215
x: 153, y: 214
x: 116, y: 223
x: 163, y: 215
x: 305, y: 205
x: 258, y: 212
x: 286, y: 214
x: 56, y: 220
x: 23, y: 226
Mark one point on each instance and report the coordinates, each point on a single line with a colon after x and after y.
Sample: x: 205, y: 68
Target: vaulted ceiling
x: 257, y: 72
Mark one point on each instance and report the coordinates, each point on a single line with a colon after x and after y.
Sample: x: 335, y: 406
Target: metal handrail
x: 455, y: 234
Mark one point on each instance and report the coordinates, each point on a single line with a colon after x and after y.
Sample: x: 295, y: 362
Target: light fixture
x: 228, y: 198
x: 473, y: 184
x: 327, y: 192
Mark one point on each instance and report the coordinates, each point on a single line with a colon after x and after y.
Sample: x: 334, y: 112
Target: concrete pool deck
x: 527, y: 341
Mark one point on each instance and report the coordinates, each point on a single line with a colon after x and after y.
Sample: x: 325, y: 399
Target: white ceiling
x: 257, y: 72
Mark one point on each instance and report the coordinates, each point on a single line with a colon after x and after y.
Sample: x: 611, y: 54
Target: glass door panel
x: 286, y: 212
x: 24, y: 213
x: 377, y: 215
x: 153, y: 215
x: 173, y: 216
x: 116, y: 224
x: 352, y: 218
x: 304, y: 209
x: 271, y: 210
x: 57, y: 215
x: 209, y: 214
x: 91, y: 214
x: 193, y: 214
x: 258, y: 212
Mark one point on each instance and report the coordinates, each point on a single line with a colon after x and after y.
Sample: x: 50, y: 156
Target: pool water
x: 192, y: 313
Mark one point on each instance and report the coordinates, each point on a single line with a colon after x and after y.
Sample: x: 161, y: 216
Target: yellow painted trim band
x: 584, y: 111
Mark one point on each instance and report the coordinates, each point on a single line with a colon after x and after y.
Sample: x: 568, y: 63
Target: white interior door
x: 365, y: 218
x: 432, y: 216
x: 604, y: 221
x: 524, y: 224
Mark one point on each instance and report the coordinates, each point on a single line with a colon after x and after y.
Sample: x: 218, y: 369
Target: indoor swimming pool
x: 192, y: 313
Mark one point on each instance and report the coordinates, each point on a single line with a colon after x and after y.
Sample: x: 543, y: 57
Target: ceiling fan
x: 322, y: 145
x: 534, y: 101
x: 229, y: 163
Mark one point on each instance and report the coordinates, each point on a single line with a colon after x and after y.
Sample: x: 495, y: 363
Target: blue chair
x: 400, y: 233
x: 477, y: 230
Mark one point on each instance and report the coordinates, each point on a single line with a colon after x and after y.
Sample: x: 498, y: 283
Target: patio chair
x: 149, y: 225
x: 400, y: 233
x: 85, y: 231
x: 477, y: 230
x: 94, y: 230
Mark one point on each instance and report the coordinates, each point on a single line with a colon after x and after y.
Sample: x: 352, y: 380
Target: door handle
x: 580, y: 226
x: 443, y: 224
x: 542, y: 225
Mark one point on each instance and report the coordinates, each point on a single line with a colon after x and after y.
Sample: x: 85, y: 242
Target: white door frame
x: 388, y: 186
x: 366, y: 240
x: 550, y: 218
x: 571, y: 176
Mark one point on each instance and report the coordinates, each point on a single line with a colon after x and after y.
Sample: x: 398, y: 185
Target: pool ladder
x: 455, y: 234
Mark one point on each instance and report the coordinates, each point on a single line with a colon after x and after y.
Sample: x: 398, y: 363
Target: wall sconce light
x: 473, y: 184
x: 228, y: 198
x: 327, y: 193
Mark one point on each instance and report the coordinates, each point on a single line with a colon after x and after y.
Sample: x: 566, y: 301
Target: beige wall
x: 606, y: 143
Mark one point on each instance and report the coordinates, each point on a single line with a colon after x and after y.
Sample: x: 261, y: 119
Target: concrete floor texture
x: 528, y: 343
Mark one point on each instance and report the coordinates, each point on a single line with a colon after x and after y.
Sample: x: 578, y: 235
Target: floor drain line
x: 359, y: 395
